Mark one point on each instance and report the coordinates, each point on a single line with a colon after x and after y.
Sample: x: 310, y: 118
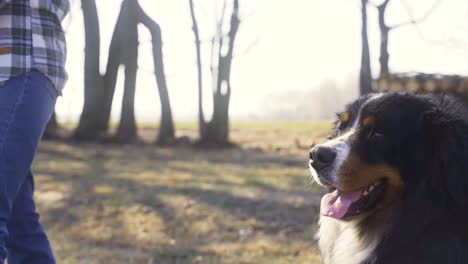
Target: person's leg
x: 26, y: 104
x: 28, y: 242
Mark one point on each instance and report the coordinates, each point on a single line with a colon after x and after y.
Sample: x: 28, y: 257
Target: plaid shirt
x: 31, y: 37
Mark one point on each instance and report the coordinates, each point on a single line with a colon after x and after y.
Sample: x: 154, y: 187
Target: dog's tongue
x: 336, y: 204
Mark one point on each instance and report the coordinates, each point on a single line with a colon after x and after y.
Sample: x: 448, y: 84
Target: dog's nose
x: 321, y: 157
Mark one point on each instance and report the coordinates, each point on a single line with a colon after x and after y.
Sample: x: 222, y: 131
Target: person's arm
x: 4, y: 2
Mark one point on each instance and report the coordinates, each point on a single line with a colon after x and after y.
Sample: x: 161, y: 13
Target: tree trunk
x: 384, y: 31
x: 52, y: 129
x: 114, y: 60
x: 217, y: 130
x: 88, y: 128
x: 127, y: 131
x: 201, y: 117
x: 166, y: 128
x: 365, y: 77
x: 99, y: 90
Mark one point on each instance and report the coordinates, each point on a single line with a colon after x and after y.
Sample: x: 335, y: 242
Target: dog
x: 396, y: 166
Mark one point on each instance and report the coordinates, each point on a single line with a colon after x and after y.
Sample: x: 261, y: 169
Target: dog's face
x: 362, y: 161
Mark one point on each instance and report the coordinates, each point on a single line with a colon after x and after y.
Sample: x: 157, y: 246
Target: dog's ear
x: 447, y: 143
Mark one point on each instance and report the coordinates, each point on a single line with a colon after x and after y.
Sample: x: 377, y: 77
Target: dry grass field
x: 141, y: 204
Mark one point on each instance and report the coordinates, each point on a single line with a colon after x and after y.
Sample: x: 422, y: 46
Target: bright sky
x: 282, y: 45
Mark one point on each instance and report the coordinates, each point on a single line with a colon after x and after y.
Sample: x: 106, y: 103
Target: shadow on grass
x: 242, y: 194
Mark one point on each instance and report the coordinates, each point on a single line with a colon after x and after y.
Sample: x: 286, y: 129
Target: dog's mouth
x: 339, y: 204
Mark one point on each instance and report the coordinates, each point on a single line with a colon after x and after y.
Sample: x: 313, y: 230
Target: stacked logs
x: 421, y: 82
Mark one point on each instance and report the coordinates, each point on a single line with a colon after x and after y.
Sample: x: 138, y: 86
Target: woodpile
x: 422, y: 82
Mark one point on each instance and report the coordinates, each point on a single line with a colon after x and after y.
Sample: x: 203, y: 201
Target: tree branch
x: 372, y: 4
x: 219, y: 27
x: 235, y: 21
x: 166, y: 129
x: 247, y: 50
x: 384, y: 4
x: 414, y: 21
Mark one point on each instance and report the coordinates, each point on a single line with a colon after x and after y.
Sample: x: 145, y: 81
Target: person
x: 32, y: 75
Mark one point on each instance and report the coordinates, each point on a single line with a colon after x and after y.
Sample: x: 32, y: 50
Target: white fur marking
x: 338, y: 240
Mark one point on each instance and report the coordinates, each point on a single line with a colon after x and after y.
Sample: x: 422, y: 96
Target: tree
x: 201, y: 119
x: 385, y: 31
x: 52, y: 128
x: 365, y: 77
x: 216, y: 131
x: 90, y: 127
x: 127, y: 130
x: 100, y: 89
x: 166, y: 127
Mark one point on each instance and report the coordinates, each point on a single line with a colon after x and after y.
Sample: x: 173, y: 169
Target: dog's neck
x: 342, y: 242
x: 352, y: 242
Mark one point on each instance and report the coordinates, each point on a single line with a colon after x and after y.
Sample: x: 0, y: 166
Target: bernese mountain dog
x: 396, y: 166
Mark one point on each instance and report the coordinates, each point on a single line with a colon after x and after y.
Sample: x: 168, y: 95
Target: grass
x: 143, y: 204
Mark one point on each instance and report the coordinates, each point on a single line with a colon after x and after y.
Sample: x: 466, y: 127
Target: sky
x: 282, y: 45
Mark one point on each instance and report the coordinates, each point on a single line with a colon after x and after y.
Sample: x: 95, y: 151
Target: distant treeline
x: 317, y: 103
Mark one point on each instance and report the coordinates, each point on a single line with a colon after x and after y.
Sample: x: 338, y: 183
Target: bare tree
x: 114, y: 60
x: 89, y: 127
x: 385, y: 31
x: 166, y: 128
x: 365, y: 76
x: 201, y: 119
x: 216, y: 131
x: 127, y: 130
x: 99, y: 90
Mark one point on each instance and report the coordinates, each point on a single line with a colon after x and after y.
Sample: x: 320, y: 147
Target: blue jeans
x: 26, y: 104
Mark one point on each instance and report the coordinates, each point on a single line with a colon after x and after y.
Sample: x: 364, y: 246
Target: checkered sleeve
x: 4, y: 2
x: 31, y: 37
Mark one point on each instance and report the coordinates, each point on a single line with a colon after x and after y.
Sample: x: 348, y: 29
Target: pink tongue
x: 336, y: 204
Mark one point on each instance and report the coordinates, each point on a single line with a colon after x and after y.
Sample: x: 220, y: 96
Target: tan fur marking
x: 355, y: 175
x: 345, y: 117
x: 368, y: 121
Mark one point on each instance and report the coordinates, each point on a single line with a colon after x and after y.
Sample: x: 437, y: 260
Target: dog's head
x: 385, y: 146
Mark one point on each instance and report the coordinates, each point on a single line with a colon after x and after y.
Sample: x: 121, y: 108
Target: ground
x: 145, y: 204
